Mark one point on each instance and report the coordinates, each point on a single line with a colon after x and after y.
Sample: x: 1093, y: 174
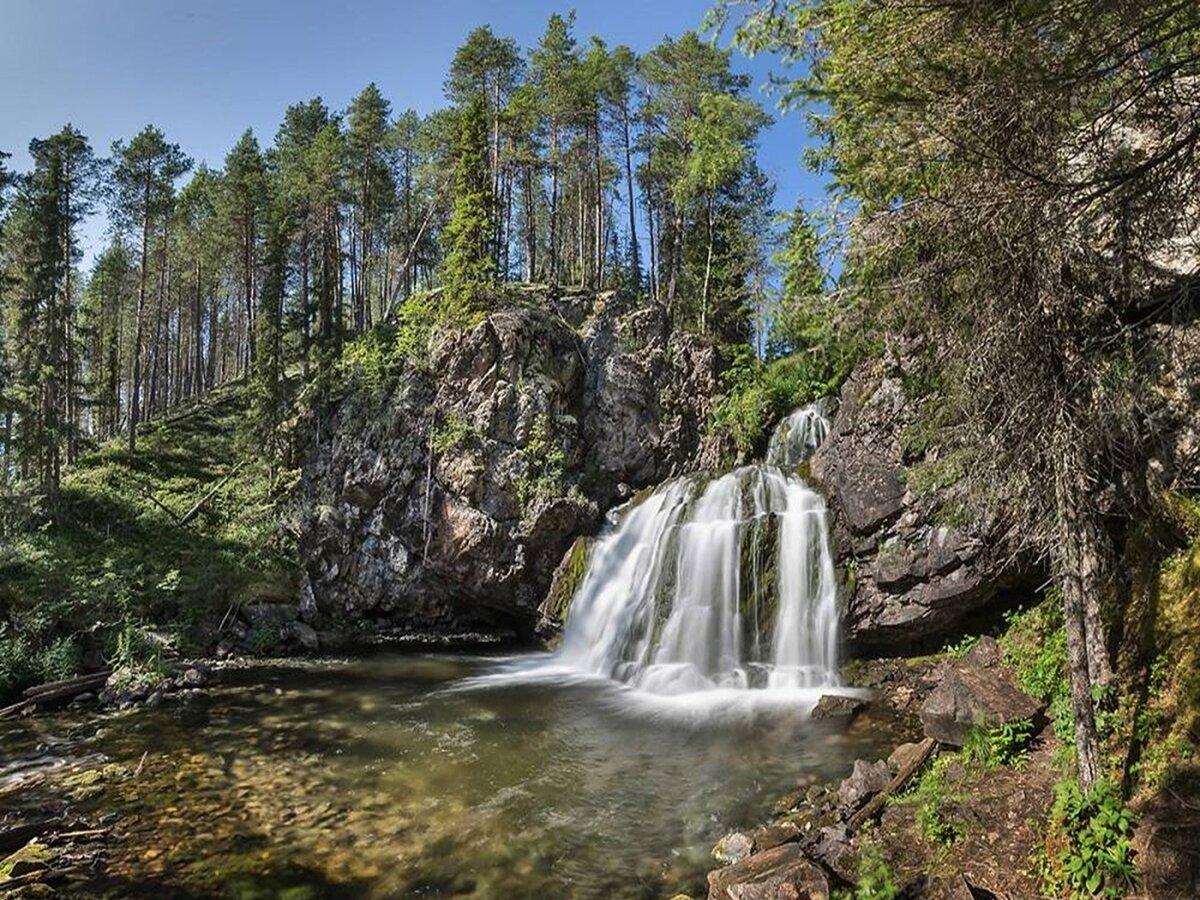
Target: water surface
x: 428, y: 776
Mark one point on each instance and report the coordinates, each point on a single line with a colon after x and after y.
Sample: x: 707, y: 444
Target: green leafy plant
x: 930, y: 796
x: 1006, y: 744
x: 874, y: 879
x: 1089, y: 844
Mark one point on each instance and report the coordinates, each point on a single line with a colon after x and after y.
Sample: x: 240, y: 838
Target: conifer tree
x: 469, y: 269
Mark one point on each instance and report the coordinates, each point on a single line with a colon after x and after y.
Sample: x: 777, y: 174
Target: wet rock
x: 192, y: 677
x: 977, y: 690
x: 838, y: 706
x: 865, y: 781
x: 732, y: 848
x: 783, y: 873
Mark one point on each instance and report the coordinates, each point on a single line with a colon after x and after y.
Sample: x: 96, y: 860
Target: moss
x: 563, y: 591
x: 33, y: 852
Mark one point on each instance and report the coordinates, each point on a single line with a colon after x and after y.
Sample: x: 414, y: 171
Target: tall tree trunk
x: 1078, y: 566
x: 135, y: 379
x: 635, y: 263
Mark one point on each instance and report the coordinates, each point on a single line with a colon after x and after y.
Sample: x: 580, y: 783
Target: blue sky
x: 205, y: 70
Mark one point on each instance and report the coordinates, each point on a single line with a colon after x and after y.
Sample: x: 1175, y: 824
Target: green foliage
x: 1089, y: 845
x: 371, y: 359
x: 415, y: 321
x: 930, y: 797
x: 117, y: 563
x: 961, y: 648
x: 469, y: 268
x: 757, y: 395
x: 455, y: 431
x: 874, y: 879
x: 137, y: 655
x: 542, y: 459
x: 998, y: 745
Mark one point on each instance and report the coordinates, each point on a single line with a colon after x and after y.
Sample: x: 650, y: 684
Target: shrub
x: 1089, y: 846
x: 929, y: 796
x: 874, y: 878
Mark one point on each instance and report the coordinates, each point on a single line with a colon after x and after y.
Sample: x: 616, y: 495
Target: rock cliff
x: 514, y: 440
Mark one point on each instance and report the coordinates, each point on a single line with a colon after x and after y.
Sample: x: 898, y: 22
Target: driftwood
x: 46, y: 693
x: 67, y: 683
x: 901, y: 778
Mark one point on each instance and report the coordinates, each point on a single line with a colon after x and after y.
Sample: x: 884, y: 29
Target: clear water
x: 425, y: 776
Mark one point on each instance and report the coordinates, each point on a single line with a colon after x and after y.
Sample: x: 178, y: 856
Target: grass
x: 118, y: 560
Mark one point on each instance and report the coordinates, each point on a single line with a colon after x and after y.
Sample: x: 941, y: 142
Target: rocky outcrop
x: 445, y: 499
x: 916, y: 575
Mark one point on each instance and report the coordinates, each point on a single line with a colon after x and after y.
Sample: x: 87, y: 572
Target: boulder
x: 783, y: 873
x: 914, y: 574
x: 301, y: 634
x: 978, y: 690
x: 864, y: 782
x: 270, y: 615
x: 837, y: 706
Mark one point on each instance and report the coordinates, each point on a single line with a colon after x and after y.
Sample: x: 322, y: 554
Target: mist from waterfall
x: 721, y: 584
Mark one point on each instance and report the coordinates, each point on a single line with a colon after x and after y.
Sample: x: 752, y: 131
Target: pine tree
x: 144, y: 190
x: 243, y: 195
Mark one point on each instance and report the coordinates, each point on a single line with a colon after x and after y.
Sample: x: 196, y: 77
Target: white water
x: 712, y: 587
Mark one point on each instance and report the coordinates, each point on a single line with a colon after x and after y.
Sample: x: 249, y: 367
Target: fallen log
x: 86, y: 680
x: 901, y: 778
x: 57, y: 693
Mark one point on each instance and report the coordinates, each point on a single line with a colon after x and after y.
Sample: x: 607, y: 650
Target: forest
x: 518, y: 492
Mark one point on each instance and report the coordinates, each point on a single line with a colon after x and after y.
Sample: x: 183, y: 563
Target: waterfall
x: 725, y: 583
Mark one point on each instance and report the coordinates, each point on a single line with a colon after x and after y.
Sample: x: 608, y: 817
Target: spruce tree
x: 469, y: 268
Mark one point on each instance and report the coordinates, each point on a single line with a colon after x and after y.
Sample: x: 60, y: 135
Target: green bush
x: 1089, y: 846
x: 757, y: 395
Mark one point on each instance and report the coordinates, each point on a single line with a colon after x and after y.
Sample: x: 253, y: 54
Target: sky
x: 205, y: 70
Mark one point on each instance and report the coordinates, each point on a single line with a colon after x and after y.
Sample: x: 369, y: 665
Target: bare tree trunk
x: 1077, y: 566
x: 635, y: 263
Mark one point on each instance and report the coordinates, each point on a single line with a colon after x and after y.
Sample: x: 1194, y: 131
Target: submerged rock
x: 783, y: 873
x: 975, y: 691
x: 835, y: 706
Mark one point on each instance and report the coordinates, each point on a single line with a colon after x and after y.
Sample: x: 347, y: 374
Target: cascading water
x: 721, y: 584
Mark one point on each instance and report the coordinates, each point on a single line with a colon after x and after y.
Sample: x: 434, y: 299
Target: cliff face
x: 517, y: 439
x: 917, y: 576
x: 917, y: 572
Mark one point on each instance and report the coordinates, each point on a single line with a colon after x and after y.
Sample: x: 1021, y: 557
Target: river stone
x: 976, y: 690
x: 766, y: 837
x: 733, y: 847
x: 836, y: 706
x: 782, y: 873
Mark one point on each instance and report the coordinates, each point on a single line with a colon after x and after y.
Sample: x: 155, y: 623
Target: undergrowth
x: 118, y: 560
